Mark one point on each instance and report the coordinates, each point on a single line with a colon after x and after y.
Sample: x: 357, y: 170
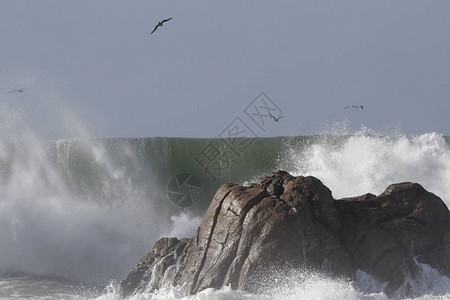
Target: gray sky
x: 198, y: 72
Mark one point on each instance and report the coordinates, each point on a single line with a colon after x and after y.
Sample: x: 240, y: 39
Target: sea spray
x: 304, y: 284
x: 361, y: 163
x: 423, y: 281
x: 56, y: 225
x: 298, y: 285
x: 69, y: 208
x: 184, y: 225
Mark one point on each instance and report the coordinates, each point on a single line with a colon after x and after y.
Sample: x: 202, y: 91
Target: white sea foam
x: 302, y: 285
x: 361, y: 163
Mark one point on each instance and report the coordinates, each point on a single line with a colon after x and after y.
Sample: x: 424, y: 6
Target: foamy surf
x: 303, y: 284
x: 365, y: 163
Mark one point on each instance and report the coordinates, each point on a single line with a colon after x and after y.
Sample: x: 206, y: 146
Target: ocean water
x: 76, y: 215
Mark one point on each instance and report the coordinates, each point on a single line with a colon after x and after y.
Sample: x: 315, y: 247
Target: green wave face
x: 185, y: 173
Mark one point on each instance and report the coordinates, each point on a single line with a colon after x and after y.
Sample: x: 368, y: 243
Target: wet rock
x: 288, y: 222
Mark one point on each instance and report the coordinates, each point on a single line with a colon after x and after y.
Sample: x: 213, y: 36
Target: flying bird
x: 18, y: 91
x: 355, y: 106
x: 160, y: 24
x: 276, y: 119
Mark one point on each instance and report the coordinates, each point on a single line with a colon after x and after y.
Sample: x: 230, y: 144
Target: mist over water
x: 67, y: 208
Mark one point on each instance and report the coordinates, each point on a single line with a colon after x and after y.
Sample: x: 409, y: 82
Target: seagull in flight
x: 276, y: 119
x: 160, y: 24
x: 17, y: 91
x: 355, y: 106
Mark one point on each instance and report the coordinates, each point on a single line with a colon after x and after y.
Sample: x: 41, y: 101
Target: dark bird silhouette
x: 160, y: 24
x: 276, y: 119
x: 18, y: 91
x: 355, y: 106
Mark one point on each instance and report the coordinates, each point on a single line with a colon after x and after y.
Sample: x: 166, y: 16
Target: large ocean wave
x: 88, y: 209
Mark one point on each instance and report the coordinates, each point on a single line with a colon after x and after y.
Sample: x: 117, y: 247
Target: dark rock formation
x: 287, y: 222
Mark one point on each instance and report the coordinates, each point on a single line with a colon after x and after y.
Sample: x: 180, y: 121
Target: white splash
x: 184, y: 225
x: 48, y: 226
x: 361, y: 163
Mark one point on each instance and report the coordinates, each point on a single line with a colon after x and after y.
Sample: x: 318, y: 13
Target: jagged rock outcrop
x: 287, y: 222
